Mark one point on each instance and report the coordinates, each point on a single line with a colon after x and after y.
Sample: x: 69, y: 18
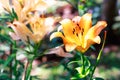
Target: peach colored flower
x: 39, y: 27
x: 23, y: 8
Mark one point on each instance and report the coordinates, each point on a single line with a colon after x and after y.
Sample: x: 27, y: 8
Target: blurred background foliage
x: 54, y: 67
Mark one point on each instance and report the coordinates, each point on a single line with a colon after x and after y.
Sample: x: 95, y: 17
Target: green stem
x: 37, y: 47
x: 15, y: 60
x: 28, y: 65
x: 15, y: 69
x: 83, y: 62
x: 13, y: 46
x: 99, y: 56
x: 28, y: 68
x: 11, y: 50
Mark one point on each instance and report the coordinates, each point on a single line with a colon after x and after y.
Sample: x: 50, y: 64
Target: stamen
x: 82, y: 30
x: 73, y: 21
x: 77, y: 34
x: 79, y: 27
x: 15, y: 25
x: 73, y: 31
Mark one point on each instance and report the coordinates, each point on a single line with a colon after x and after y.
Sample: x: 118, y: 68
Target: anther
x: 73, y: 21
x: 77, y: 24
x: 73, y: 31
x: 82, y: 30
x: 77, y: 34
x: 79, y: 28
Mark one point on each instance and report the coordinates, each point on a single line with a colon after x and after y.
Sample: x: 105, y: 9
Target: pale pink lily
x: 23, y: 8
x: 39, y: 27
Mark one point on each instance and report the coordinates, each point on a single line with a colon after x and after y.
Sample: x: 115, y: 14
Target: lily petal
x: 97, y: 40
x: 76, y: 19
x: 59, y: 28
x: 57, y: 34
x: 90, y: 42
x: 22, y: 31
x: 81, y: 49
x: 68, y: 27
x: 60, y: 52
x: 95, y: 30
x: 92, y: 35
x: 6, y: 5
x: 18, y: 8
x: 14, y: 36
x: 70, y: 46
x: 85, y: 22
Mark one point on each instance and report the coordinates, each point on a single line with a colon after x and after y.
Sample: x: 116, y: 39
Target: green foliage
x: 98, y: 79
x: 14, y: 15
x: 84, y: 67
x: 4, y: 76
x: 74, y: 3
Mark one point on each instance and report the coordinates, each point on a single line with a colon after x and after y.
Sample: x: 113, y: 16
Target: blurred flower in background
x: 39, y: 27
x: 28, y: 25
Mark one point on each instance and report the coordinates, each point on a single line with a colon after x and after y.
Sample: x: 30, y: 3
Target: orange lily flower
x: 78, y: 33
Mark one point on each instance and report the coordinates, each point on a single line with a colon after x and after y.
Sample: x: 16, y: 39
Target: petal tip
x: 88, y: 15
x: 103, y: 23
x: 56, y: 34
x: 65, y: 21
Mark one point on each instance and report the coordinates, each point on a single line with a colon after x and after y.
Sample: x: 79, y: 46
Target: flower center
x: 78, y: 30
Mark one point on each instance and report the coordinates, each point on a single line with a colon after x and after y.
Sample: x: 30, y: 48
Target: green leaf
x: 4, y: 76
x: 5, y: 38
x: 97, y: 78
x: 74, y: 3
x: 74, y: 78
x: 85, y: 69
x: 93, y: 48
x: 80, y: 7
x: 77, y: 77
x: 56, y: 42
x: 81, y: 73
x: 27, y: 77
x: 1, y: 61
x: 72, y: 62
x: 9, y: 59
x: 14, y: 15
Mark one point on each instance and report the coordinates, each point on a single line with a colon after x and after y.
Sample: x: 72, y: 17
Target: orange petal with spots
x: 85, y: 22
x: 68, y: 27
